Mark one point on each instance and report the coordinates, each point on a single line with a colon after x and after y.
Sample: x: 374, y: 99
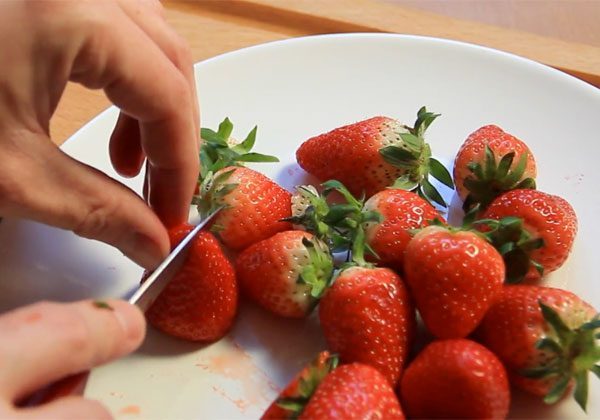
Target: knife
x: 158, y: 280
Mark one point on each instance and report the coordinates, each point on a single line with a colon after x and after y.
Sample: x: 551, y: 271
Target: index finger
x: 141, y: 80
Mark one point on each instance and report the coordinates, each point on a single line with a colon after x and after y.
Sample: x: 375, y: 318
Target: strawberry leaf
x: 405, y: 183
x: 217, y: 151
x: 424, y: 120
x: 581, y: 389
x: 558, y: 390
x: 399, y: 157
x: 439, y: 172
x: 247, y: 144
x: 256, y: 157
x: 490, y: 179
x: 414, y: 143
x: 431, y: 193
x: 596, y: 370
x: 225, y: 129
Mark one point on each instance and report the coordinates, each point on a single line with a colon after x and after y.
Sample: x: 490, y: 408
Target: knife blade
x: 145, y: 295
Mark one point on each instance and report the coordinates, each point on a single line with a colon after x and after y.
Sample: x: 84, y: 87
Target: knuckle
x: 12, y: 193
x: 157, y: 7
x: 183, y: 53
x: 179, y: 99
x: 95, y: 221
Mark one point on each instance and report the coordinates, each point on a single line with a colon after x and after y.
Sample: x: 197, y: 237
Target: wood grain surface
x: 560, y: 33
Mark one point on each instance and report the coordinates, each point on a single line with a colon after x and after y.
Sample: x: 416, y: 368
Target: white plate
x: 293, y: 90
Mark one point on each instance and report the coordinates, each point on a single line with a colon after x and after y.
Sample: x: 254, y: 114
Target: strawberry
x: 291, y: 401
x: 373, y: 154
x: 547, y: 339
x: 540, y: 241
x: 353, y: 391
x: 200, y: 302
x: 454, y: 277
x: 253, y: 206
x: 367, y: 317
x: 455, y: 378
x: 402, y: 211
x: 480, y: 177
x: 286, y: 273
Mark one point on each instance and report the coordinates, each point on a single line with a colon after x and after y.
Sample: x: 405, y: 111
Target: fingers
x: 125, y: 148
x: 148, y: 15
x: 55, y: 189
x: 65, y: 408
x: 147, y: 86
x: 61, y: 340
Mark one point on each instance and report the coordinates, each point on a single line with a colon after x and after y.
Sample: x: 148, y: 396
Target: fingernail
x: 143, y: 250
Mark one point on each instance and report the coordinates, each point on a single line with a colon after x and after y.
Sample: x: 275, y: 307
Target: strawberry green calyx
x: 319, y: 272
x: 335, y: 224
x: 308, y: 381
x: 212, y: 191
x: 315, y: 209
x: 218, y: 150
x: 570, y: 354
x: 514, y: 243
x: 491, y: 179
x: 413, y: 155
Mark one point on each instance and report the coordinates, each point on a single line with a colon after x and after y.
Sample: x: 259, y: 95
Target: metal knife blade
x: 157, y: 281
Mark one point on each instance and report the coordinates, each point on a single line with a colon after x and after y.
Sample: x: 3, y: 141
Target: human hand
x: 126, y: 48
x: 45, y: 342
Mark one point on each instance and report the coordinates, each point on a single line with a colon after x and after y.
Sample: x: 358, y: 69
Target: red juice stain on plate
x: 130, y: 409
x: 236, y: 364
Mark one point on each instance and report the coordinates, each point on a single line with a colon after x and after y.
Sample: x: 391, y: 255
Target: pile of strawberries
x: 369, y: 250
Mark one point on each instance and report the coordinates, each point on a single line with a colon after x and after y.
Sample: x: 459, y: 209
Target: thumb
x: 40, y: 182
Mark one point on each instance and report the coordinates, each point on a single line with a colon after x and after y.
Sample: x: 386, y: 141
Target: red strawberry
x: 543, y: 240
x: 455, y: 378
x: 293, y: 398
x: 546, y: 338
x: 479, y: 177
x: 373, y: 154
x: 254, y: 206
x: 353, y: 391
x: 454, y: 277
x: 367, y: 317
x: 200, y: 302
x: 286, y: 273
x: 402, y: 211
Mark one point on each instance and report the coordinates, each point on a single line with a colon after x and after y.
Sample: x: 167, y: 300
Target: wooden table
x: 561, y: 33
